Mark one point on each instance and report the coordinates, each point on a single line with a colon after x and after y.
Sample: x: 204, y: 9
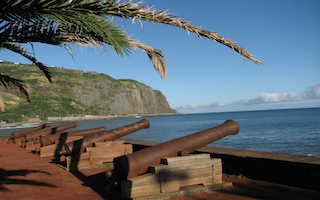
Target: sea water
x: 294, y: 131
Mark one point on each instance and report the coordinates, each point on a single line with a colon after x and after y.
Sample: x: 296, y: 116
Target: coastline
x: 85, y: 117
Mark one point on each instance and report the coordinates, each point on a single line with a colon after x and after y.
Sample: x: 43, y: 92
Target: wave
x: 16, y: 126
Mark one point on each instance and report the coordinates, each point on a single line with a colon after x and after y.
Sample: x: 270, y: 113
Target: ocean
x: 293, y: 131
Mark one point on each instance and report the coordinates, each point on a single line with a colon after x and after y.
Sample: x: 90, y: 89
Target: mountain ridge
x: 76, y: 92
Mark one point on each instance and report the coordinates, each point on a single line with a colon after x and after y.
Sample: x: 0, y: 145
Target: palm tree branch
x: 6, y: 81
x: 162, y: 17
x: 132, y: 11
x: 75, y: 13
x: 126, y: 10
x: 18, y: 49
x: 156, y: 56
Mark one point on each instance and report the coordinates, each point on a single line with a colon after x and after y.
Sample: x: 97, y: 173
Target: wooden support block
x: 178, y: 161
x: 73, y: 138
x: 172, y: 180
x: 51, y: 150
x: 109, y: 148
x: 217, y: 171
x: 143, y: 185
x: 124, y: 148
x: 31, y: 145
x: 98, y: 155
x: 18, y: 140
x: 76, y: 161
x: 108, y: 154
x: 108, y: 143
x: 174, y: 173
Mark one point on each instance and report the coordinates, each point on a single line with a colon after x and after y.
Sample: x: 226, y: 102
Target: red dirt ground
x: 26, y: 176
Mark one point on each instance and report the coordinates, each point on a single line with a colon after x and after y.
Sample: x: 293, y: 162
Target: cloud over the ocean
x: 311, y: 93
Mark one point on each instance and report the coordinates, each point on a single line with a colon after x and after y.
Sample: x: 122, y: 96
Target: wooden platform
x: 102, y: 152
x: 173, y: 174
x: 51, y: 150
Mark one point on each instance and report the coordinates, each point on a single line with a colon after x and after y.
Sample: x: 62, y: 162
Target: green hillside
x: 75, y: 92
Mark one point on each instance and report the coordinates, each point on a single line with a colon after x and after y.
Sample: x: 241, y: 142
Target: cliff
x: 79, y: 93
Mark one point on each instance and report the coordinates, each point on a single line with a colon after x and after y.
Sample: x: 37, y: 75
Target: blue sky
x: 203, y: 76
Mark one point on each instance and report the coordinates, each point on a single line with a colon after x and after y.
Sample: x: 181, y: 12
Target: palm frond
x: 156, y: 56
x: 69, y: 12
x: 7, y: 81
x: 18, y: 49
x: 132, y: 11
x: 76, y: 15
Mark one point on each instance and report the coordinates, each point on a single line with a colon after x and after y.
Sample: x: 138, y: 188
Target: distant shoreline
x: 86, y: 117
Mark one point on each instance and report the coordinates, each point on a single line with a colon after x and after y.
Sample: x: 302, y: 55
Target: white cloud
x: 311, y: 93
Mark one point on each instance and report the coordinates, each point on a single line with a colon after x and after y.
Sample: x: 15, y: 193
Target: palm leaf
x: 18, y: 49
x: 112, y: 8
x: 149, y: 14
x: 156, y: 56
x: 7, y: 81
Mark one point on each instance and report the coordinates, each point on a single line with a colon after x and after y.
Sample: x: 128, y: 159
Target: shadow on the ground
x: 96, y: 182
x: 6, y: 180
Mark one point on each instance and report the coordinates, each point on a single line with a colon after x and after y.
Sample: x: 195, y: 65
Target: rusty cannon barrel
x: 137, y: 163
x: 35, y: 135
x: 79, y: 146
x: 23, y: 132
x: 45, y: 140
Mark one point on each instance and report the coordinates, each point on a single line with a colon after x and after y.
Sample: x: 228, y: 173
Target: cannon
x: 33, y: 136
x: 23, y: 132
x: 137, y: 163
x: 45, y: 140
x: 79, y: 146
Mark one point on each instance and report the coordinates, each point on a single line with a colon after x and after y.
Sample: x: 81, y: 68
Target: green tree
x: 85, y: 23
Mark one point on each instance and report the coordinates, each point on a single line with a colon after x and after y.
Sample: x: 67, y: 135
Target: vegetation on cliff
x: 75, y: 92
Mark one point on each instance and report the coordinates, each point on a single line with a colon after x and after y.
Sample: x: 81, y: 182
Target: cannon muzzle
x: 79, y: 146
x: 23, y: 132
x: 137, y: 163
x: 29, y: 130
x: 45, y: 140
x: 35, y: 135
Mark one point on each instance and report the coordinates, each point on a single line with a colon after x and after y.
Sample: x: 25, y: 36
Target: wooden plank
x: 97, y: 156
x: 179, y: 160
x: 110, y: 148
x: 173, y: 180
x: 71, y: 139
x: 31, y: 145
x: 106, y: 154
x: 217, y: 172
x: 50, y: 150
x: 143, y: 185
x: 74, y: 163
x: 108, y: 143
x: 18, y: 140
x: 186, y: 191
x: 176, y: 172
x: 158, y: 168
